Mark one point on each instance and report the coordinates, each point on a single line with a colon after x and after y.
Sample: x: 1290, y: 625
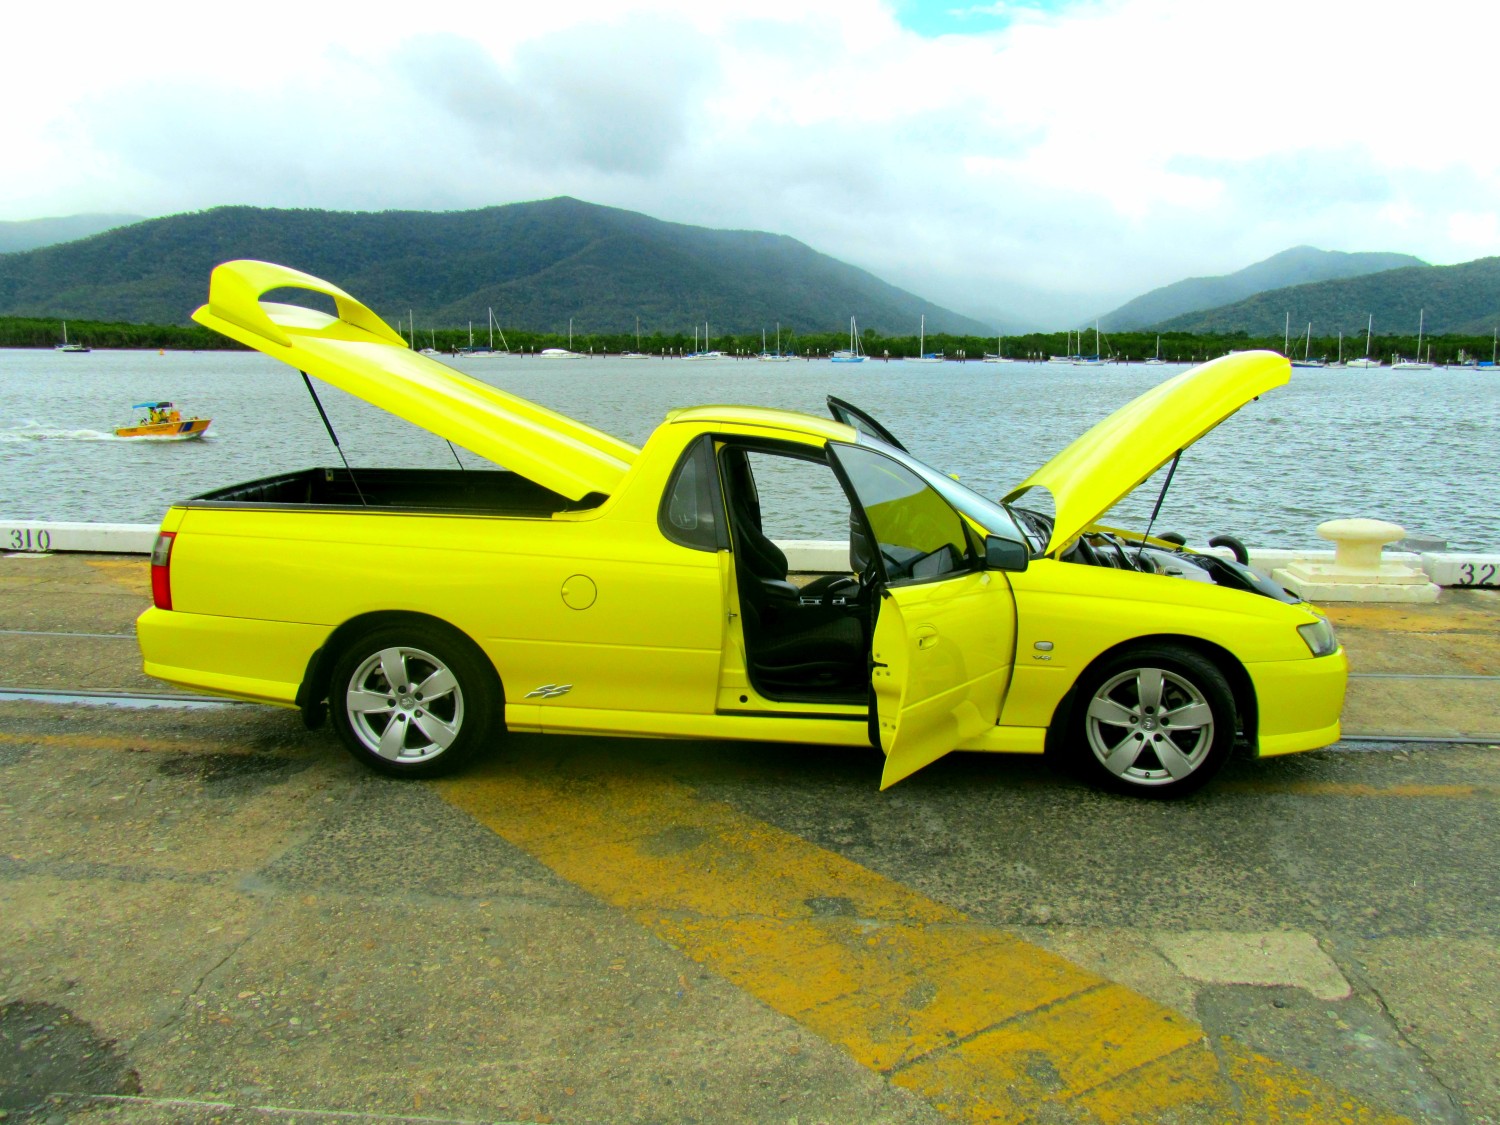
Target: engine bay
x: 1165, y: 554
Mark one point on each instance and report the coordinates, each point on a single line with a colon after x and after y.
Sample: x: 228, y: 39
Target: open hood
x: 359, y: 353
x: 1104, y: 465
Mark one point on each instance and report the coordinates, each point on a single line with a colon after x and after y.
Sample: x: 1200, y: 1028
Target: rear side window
x: 690, y: 509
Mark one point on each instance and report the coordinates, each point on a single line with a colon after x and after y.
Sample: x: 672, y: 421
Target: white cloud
x: 1054, y: 165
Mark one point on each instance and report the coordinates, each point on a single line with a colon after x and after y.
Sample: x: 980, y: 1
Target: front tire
x: 414, y: 700
x: 1153, y: 722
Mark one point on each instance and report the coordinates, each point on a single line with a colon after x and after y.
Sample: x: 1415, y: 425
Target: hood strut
x: 327, y: 425
x: 1156, y: 511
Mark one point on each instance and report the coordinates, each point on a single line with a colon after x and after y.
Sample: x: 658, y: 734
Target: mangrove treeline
x: 1183, y: 347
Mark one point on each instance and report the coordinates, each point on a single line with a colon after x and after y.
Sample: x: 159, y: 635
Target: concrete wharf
x: 208, y: 913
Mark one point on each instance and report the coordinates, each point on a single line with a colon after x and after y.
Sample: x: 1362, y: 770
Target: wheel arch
x: 312, y: 693
x: 1240, y: 685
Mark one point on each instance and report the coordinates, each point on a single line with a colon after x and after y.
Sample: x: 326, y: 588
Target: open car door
x: 944, y: 636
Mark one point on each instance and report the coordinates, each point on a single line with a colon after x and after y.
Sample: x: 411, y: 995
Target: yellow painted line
x: 983, y: 1025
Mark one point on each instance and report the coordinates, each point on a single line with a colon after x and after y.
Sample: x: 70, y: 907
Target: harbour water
x: 1421, y: 449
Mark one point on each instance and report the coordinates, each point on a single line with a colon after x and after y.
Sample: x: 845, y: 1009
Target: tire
x: 444, y: 711
x: 1153, y: 722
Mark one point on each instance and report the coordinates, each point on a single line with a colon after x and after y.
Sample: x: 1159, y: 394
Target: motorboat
x: 163, y: 422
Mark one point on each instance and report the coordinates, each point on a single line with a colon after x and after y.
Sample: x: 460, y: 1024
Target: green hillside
x: 1297, y: 266
x: 29, y: 234
x: 1462, y: 299
x: 536, y: 264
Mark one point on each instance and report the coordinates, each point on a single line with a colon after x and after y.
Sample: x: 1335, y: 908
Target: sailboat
x: 1095, y: 360
x: 707, y: 352
x: 1415, y: 364
x: 1156, y: 360
x: 767, y: 357
x: 1067, y: 356
x: 637, y: 354
x: 999, y: 356
x: 67, y: 347
x: 923, y: 355
x: 1340, y: 362
x: 490, y: 352
x: 1366, y: 361
x: 561, y: 353
x: 1307, y: 359
x: 852, y: 353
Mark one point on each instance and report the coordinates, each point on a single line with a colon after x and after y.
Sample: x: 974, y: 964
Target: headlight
x: 1319, y: 637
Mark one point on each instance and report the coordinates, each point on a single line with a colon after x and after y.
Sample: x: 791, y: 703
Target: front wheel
x: 1154, y: 722
x: 414, y: 700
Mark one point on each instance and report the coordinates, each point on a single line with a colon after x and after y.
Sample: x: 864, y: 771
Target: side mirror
x: 1005, y: 554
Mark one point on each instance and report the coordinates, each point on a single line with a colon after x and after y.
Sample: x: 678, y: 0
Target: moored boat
x: 163, y: 422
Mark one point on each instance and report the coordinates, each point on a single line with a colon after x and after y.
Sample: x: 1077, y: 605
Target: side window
x: 797, y: 498
x: 920, y: 537
x: 690, y: 508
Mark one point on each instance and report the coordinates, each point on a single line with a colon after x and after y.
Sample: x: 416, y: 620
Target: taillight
x: 161, y: 570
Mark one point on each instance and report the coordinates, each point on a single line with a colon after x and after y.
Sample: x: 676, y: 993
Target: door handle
x: 927, y: 636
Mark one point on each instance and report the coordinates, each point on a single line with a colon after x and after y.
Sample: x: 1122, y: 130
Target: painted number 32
x: 24, y: 539
x: 1478, y: 574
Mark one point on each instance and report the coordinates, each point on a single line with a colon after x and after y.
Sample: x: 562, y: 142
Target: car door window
x: 797, y: 498
x: 919, y: 535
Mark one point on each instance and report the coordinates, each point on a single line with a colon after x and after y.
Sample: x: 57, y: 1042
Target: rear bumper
x: 1299, y: 702
x: 261, y: 661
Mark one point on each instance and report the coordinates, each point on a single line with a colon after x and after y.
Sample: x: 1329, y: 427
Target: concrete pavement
x: 214, y: 915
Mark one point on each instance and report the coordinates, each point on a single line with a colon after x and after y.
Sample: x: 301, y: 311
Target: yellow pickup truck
x: 590, y: 586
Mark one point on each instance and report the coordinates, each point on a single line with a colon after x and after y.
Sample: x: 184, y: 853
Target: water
x: 1416, y: 448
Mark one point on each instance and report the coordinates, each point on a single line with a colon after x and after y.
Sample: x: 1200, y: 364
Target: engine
x: 1113, y: 550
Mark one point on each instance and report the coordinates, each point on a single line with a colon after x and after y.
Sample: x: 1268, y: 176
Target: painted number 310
x: 1478, y: 574
x: 24, y: 539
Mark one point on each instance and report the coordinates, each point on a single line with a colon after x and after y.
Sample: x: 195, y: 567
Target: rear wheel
x: 1155, y: 722
x: 414, y: 700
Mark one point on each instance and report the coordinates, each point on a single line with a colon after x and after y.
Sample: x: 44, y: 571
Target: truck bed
x: 495, y: 492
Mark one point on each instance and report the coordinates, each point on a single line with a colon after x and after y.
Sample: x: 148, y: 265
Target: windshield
x: 994, y: 518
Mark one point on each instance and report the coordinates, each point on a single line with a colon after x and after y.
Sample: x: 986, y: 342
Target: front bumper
x: 1299, y: 702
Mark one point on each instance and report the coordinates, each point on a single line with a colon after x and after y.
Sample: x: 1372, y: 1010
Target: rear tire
x: 1153, y: 722
x: 414, y: 700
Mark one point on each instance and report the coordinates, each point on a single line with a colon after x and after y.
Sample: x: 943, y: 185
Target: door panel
x: 942, y: 655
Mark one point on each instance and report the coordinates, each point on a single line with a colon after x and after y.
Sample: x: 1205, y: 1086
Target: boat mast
x: 1369, y: 327
x: 1307, y: 348
x: 1286, y: 335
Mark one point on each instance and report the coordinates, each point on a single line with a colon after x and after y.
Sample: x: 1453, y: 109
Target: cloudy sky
x: 1036, y: 161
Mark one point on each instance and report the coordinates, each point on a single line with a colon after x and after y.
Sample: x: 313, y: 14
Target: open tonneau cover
x: 359, y: 353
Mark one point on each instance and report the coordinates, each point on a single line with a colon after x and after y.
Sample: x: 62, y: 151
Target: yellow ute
x: 585, y: 585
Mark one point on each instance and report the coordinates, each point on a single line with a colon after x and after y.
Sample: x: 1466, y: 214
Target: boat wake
x: 35, y: 431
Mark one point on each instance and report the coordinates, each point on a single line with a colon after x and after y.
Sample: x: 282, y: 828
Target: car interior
x: 807, y: 641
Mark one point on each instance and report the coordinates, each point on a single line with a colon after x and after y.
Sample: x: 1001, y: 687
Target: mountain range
x: 538, y: 265
x: 29, y: 234
x: 541, y: 264
x: 1463, y: 299
x: 1297, y: 266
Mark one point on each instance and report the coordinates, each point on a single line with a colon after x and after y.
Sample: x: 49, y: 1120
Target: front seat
x: 792, y: 648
